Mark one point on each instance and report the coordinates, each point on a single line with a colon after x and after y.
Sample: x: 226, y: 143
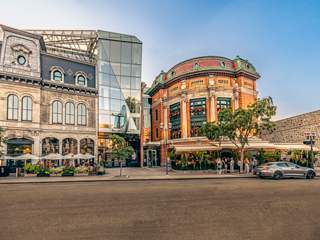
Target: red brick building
x: 192, y: 93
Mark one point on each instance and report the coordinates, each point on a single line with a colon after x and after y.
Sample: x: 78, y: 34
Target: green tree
x: 235, y: 157
x: 120, y: 151
x: 202, y: 156
x: 3, y: 140
x: 184, y: 160
x: 236, y: 126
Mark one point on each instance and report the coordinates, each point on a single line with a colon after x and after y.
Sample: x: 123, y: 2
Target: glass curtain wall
x: 119, y: 80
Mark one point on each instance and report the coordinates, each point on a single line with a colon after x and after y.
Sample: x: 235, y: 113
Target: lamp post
x: 163, y: 129
x: 311, y: 136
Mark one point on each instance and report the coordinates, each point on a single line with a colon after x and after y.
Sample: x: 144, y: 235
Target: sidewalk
x: 129, y: 174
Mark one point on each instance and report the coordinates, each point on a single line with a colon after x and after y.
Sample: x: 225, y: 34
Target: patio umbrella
x: 52, y: 156
x: 5, y: 158
x: 80, y: 156
x: 26, y: 157
x: 89, y: 156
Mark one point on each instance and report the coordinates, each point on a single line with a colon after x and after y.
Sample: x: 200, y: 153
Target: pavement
x: 219, y: 209
x: 128, y: 174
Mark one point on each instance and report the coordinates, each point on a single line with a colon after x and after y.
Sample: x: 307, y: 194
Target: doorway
x: 152, y: 158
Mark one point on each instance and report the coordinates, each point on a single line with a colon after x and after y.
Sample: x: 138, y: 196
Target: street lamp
x: 166, y: 130
x: 311, y: 136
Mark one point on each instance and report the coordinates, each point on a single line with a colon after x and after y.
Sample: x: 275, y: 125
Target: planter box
x: 43, y: 175
x: 30, y: 174
x: 81, y: 174
x: 67, y: 174
x: 101, y: 173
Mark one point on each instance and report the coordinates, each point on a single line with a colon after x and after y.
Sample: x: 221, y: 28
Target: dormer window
x: 81, y: 80
x: 21, y: 55
x: 57, y: 73
x: 57, y: 76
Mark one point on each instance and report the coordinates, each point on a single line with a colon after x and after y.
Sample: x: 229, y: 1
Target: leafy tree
x: 119, y: 150
x: 236, y: 126
x: 3, y: 140
x: 235, y: 157
x: 184, y: 159
x: 202, y: 156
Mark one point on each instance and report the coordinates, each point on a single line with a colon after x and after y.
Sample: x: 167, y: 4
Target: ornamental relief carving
x: 23, y: 51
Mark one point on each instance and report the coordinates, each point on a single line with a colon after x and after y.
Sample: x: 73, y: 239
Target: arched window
x: 12, y: 107
x: 87, y: 146
x: 27, y: 109
x: 57, y: 75
x: 50, y: 145
x: 70, y: 113
x: 82, y: 114
x: 57, y: 112
x: 81, y: 80
x: 69, y: 145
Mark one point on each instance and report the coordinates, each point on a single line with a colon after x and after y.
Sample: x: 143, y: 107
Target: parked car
x: 278, y: 170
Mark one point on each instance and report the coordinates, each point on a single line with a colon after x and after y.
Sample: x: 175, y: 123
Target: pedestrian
x: 231, y: 165
x: 255, y: 162
x: 246, y: 166
x: 226, y: 167
x: 218, y: 165
x: 239, y: 165
x: 251, y: 164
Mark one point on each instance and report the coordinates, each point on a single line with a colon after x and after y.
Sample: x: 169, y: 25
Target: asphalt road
x: 186, y: 209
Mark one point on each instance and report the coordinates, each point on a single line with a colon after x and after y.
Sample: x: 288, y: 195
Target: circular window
x: 21, y: 60
x: 223, y: 64
x: 196, y: 65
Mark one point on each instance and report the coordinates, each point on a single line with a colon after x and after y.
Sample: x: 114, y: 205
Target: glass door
x: 154, y: 158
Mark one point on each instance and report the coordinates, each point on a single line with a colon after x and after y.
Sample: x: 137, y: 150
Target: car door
x: 284, y: 168
x: 295, y: 170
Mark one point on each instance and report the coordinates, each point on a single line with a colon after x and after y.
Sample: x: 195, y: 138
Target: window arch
x: 81, y: 80
x: 69, y: 145
x: 57, y: 75
x: 87, y: 146
x: 12, y: 111
x: 82, y: 114
x: 70, y: 113
x: 50, y: 145
x: 57, y: 112
x: 26, y: 109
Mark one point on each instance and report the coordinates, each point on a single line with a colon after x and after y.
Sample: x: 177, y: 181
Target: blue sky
x: 280, y: 38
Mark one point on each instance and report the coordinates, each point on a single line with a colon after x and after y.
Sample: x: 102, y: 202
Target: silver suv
x: 278, y: 170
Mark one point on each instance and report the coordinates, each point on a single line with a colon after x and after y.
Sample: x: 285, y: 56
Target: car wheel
x: 310, y: 175
x: 277, y: 175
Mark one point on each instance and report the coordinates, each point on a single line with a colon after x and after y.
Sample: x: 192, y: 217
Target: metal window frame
x: 12, y: 107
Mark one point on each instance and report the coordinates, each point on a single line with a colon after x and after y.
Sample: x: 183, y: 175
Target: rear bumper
x: 265, y: 173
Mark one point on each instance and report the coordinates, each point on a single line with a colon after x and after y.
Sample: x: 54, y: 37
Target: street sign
x: 308, y: 142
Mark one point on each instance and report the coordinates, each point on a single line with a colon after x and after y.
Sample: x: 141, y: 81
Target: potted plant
x: 184, y: 161
x: 68, y: 171
x: 42, y: 170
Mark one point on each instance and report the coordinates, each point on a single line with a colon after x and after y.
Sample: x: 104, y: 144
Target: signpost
x: 311, y: 136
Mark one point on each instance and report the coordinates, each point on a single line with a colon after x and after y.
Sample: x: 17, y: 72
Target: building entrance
x: 152, y: 158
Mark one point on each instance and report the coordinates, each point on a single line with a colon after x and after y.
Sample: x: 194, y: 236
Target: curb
x: 129, y: 179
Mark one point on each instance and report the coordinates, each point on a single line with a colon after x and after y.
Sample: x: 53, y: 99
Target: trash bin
x: 4, y: 171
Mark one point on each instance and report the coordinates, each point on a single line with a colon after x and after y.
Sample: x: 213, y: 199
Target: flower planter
x: 81, y: 174
x: 67, y: 174
x: 43, y: 175
x: 101, y: 173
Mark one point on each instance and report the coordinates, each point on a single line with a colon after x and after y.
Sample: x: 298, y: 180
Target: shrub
x: 82, y: 170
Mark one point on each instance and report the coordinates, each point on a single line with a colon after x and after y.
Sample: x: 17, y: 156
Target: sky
x: 280, y: 38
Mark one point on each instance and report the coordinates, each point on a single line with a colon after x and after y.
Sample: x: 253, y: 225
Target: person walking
x: 223, y: 166
x: 255, y: 162
x: 239, y: 165
x: 231, y: 165
x: 246, y: 166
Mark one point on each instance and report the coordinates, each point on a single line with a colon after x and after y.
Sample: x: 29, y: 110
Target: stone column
x: 184, y: 123
x: 60, y: 147
x: 212, y: 107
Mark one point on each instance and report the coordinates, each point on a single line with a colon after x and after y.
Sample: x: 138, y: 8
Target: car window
x: 267, y: 164
x: 282, y: 165
x: 291, y: 164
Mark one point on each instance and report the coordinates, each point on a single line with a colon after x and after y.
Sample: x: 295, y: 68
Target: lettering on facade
x: 196, y: 83
x: 223, y: 81
x: 174, y: 89
x: 248, y: 84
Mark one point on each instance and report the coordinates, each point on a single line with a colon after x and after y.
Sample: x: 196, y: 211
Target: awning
x: 251, y: 145
x: 194, y: 148
x: 294, y: 146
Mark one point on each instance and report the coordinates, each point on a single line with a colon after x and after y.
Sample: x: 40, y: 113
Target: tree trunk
x: 241, y: 158
x: 120, y: 168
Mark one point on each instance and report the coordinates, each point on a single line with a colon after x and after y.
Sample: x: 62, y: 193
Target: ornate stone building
x: 192, y: 93
x: 49, y: 102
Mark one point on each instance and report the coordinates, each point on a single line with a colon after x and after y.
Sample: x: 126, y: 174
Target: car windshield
x: 267, y: 164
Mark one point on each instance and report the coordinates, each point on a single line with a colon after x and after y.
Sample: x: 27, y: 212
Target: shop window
x: 87, y: 146
x: 12, y: 111
x: 26, y: 109
x: 19, y: 146
x: 175, y: 121
x: 70, y: 113
x: 156, y: 115
x: 57, y: 112
x: 69, y: 145
x: 198, y: 115
x: 50, y: 145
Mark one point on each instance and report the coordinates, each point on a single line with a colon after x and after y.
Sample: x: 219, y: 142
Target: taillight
x: 265, y: 168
